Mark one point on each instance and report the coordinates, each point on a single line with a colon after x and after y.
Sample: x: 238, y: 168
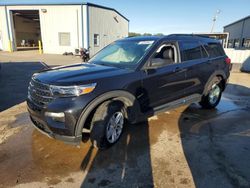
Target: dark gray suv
x: 129, y: 80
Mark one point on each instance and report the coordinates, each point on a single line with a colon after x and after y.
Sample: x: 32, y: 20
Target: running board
x: 177, y: 103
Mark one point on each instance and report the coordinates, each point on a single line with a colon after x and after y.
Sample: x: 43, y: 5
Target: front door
x: 165, y: 83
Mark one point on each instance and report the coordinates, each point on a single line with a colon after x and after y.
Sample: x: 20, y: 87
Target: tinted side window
x: 192, y: 50
x: 203, y: 52
x: 214, y: 49
x: 166, y: 54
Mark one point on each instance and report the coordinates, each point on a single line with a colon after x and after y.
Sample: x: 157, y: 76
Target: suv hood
x: 77, y: 74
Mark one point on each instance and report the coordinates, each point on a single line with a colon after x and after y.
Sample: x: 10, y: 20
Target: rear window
x: 214, y: 49
x: 191, y: 50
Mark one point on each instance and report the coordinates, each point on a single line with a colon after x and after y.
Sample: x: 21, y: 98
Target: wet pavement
x: 14, y: 80
x: 184, y: 147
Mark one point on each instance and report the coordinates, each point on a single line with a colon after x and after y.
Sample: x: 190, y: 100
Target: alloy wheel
x: 214, y: 94
x: 114, y: 127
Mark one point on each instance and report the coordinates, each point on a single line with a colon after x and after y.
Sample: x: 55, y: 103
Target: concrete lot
x: 185, y: 147
x: 34, y: 56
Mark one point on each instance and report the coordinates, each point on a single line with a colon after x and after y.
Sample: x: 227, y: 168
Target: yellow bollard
x: 40, y: 47
x: 10, y: 46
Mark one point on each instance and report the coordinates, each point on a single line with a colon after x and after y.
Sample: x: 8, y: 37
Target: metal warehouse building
x: 239, y: 33
x: 61, y: 27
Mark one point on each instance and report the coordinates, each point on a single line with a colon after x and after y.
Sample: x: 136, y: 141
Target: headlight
x: 71, y: 91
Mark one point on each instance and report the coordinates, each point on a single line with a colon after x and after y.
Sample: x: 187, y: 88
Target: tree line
x: 134, y: 34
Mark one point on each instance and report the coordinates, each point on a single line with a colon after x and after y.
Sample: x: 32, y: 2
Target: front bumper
x: 64, y: 131
x: 44, y: 129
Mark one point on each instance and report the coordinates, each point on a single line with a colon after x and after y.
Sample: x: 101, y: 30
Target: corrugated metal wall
x: 234, y: 30
x: 246, y: 30
x: 108, y: 24
x: 61, y: 19
x: 3, y: 30
x: 70, y: 19
x: 239, y: 30
x: 54, y: 19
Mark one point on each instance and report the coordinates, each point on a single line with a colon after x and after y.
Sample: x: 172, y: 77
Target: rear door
x: 216, y: 55
x: 195, y: 60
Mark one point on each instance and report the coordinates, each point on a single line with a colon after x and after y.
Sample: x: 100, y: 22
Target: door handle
x: 177, y: 69
x: 209, y: 62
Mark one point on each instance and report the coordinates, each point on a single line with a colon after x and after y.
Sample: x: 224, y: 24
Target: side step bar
x: 177, y: 103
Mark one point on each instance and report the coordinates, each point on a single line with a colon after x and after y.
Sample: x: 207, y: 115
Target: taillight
x: 228, y: 60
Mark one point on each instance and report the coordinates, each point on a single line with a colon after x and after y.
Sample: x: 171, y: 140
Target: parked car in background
x: 127, y: 81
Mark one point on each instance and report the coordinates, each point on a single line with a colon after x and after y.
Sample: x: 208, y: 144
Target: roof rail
x: 187, y: 35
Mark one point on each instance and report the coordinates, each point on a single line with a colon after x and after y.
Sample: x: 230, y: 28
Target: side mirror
x: 155, y: 63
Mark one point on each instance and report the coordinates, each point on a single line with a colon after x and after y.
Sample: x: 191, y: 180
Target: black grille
x: 39, y: 93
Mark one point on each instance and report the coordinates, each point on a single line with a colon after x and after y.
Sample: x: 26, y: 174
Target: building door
x: 1, y: 41
x: 26, y: 29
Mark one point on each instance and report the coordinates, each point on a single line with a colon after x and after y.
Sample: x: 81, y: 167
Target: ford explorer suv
x: 127, y: 82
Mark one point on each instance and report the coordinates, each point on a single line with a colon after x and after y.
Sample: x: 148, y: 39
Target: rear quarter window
x: 214, y: 49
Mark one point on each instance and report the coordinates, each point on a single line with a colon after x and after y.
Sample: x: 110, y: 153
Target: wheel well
x: 222, y: 81
x: 128, y: 99
x: 87, y: 123
x: 89, y: 118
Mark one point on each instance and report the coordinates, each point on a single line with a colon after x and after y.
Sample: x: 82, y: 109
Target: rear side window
x: 214, y: 49
x: 191, y: 50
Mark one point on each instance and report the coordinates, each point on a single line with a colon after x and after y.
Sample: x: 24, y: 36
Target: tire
x: 103, y: 123
x: 212, y: 98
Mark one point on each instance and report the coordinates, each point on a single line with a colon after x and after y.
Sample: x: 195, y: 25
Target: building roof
x: 237, y: 21
x: 217, y: 35
x: 54, y: 2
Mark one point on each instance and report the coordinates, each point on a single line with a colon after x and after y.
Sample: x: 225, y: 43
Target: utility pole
x: 214, y: 19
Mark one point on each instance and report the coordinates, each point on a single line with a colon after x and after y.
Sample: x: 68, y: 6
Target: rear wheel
x: 107, y: 124
x: 212, y: 99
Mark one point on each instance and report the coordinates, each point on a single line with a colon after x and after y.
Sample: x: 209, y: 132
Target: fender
x: 211, y: 78
x: 133, y: 107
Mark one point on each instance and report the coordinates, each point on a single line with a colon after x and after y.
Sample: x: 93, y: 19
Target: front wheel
x: 107, y: 124
x: 212, y: 99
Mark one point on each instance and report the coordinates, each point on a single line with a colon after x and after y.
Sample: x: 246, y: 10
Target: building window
x: 64, y: 39
x: 236, y: 43
x: 230, y: 43
x: 96, y: 40
x: 246, y: 43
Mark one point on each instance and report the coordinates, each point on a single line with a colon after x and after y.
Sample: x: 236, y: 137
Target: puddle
x: 21, y: 119
x: 201, y: 119
x: 31, y: 156
x: 226, y: 105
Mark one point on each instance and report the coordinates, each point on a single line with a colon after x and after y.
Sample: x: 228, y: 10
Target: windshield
x: 122, y: 54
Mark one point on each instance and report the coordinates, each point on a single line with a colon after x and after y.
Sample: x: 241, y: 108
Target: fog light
x: 56, y: 116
